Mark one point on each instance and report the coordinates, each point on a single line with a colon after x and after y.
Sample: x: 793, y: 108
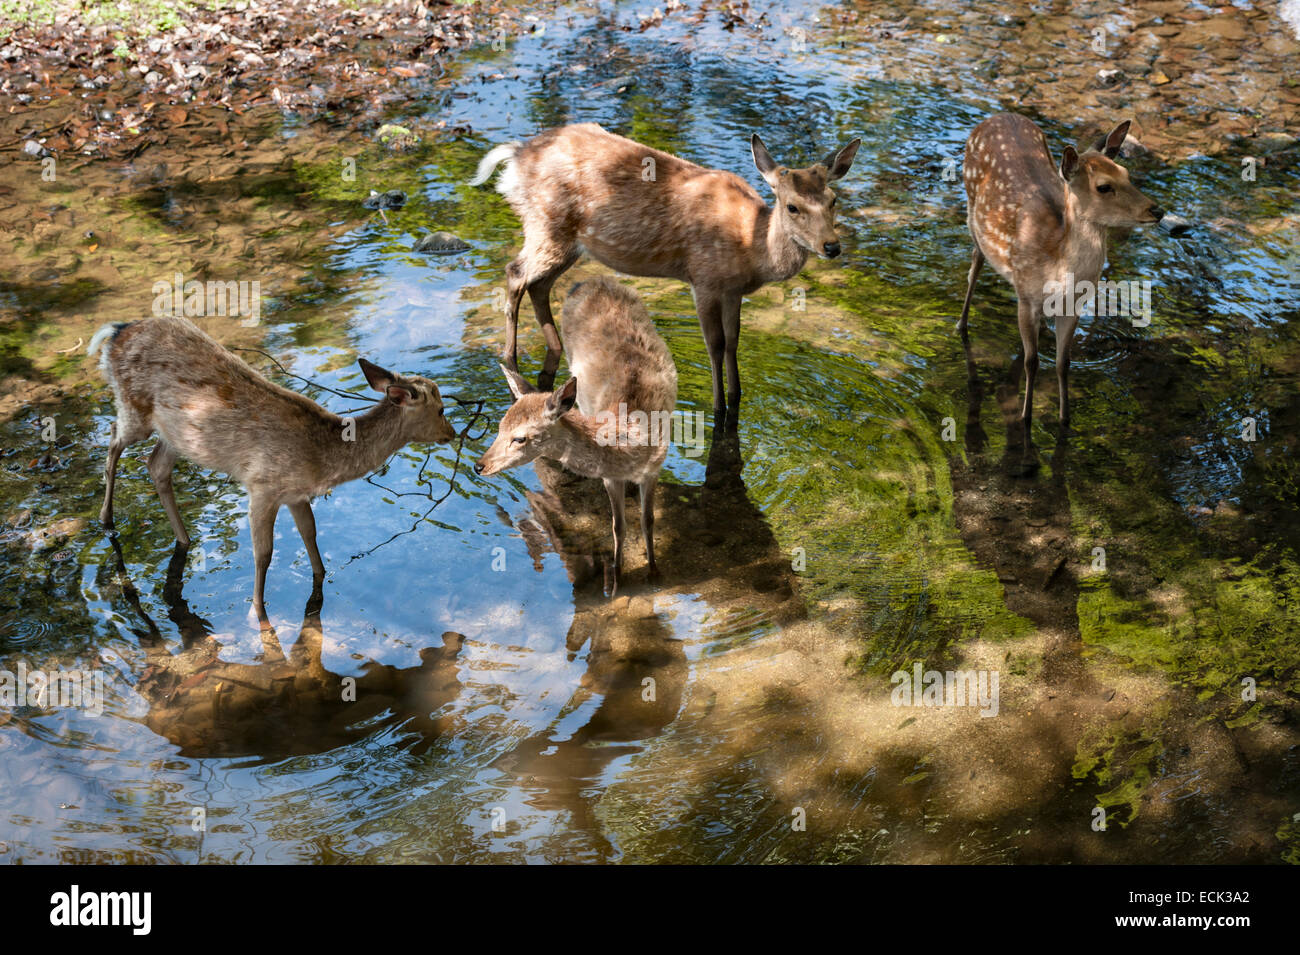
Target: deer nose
x: 1158, y: 213
x: 478, y: 467
x: 831, y: 249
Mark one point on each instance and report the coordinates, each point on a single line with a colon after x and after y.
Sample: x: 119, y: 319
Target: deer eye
x: 1105, y: 187
x: 521, y: 439
x: 793, y: 210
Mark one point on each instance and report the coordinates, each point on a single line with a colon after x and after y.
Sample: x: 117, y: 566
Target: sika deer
x: 625, y: 387
x: 1039, y: 226
x: 645, y: 212
x: 208, y: 406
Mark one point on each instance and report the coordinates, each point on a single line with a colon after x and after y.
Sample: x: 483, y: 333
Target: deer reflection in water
x: 285, y: 704
x: 637, y: 667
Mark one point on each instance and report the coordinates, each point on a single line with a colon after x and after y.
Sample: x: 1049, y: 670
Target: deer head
x: 531, y: 427
x: 419, y: 402
x: 1101, y: 188
x: 805, y: 203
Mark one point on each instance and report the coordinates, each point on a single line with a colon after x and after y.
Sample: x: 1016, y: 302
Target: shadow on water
x: 1160, y: 761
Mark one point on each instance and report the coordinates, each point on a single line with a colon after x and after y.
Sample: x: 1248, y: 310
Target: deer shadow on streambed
x: 715, y: 546
x: 1021, y: 525
x: 1014, y: 520
x: 285, y: 704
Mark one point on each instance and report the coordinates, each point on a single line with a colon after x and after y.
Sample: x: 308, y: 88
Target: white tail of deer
x: 625, y: 387
x: 206, y: 405
x: 1044, y: 227
x: 645, y: 212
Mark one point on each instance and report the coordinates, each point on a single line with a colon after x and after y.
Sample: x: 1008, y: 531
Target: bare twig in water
x: 451, y: 481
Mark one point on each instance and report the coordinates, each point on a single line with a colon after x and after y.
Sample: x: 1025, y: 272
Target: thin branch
x: 451, y: 481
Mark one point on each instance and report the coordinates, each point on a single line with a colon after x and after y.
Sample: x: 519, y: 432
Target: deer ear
x: 1110, y: 146
x: 378, y: 378
x: 519, y: 385
x: 1069, y: 163
x: 763, y: 160
x: 400, y: 394
x: 839, y: 162
x: 561, y: 402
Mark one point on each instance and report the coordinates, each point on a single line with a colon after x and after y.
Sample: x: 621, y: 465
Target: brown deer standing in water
x: 641, y: 211
x: 1043, y: 227
x: 625, y: 387
x: 208, y: 406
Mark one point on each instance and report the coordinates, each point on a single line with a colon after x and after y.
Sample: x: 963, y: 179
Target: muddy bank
x: 85, y: 83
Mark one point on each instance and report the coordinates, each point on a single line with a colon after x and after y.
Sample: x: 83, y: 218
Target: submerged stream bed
x: 466, y: 692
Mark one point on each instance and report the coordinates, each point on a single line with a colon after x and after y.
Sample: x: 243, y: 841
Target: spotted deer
x: 1043, y: 226
x: 644, y: 212
x: 170, y: 378
x: 624, y: 386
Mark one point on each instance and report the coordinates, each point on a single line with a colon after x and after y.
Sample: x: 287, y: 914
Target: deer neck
x: 782, y: 256
x: 1083, y: 242
x: 586, y: 451
x: 363, y: 443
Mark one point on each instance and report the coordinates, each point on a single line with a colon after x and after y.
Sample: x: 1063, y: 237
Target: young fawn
x: 1039, y: 226
x: 644, y: 212
x: 208, y: 406
x: 625, y: 386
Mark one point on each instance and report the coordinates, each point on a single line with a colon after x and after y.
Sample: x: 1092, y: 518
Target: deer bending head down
x: 644, y: 212
x: 1043, y: 226
x: 208, y: 406
x: 612, y: 419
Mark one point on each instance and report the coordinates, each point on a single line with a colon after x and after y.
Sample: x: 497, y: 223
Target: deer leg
x: 1065, y: 325
x: 731, y: 339
x: 1028, y: 320
x: 539, y: 291
x: 515, y: 286
x: 617, y: 491
x: 648, y: 521
x: 709, y: 307
x: 261, y: 521
x: 126, y: 431
x: 306, y: 521
x: 976, y: 263
x: 161, y: 462
x: 544, y: 255
x: 115, y: 449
